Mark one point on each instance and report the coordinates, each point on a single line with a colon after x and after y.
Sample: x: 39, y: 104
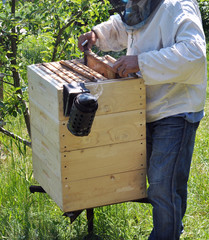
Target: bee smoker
x: 81, y: 107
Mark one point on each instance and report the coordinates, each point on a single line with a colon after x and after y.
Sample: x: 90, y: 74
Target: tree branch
x: 16, y: 137
x: 59, y: 35
x: 63, y: 48
x: 15, y: 73
x: 7, y: 82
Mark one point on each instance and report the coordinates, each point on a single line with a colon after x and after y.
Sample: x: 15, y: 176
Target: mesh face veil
x: 135, y: 13
x: 119, y: 6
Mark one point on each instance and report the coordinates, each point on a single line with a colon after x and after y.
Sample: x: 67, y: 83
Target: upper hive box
x: 109, y: 165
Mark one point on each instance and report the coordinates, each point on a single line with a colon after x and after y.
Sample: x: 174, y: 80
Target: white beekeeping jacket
x: 171, y: 52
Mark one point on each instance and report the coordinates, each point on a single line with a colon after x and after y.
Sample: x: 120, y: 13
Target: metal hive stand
x: 89, y: 213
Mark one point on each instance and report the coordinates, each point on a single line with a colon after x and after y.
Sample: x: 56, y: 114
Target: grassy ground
x: 36, y: 217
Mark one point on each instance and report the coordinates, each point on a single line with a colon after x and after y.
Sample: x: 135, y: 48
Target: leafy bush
x: 38, y: 31
x: 204, y: 9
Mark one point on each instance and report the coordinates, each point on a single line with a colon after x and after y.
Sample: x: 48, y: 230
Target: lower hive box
x: 106, y: 167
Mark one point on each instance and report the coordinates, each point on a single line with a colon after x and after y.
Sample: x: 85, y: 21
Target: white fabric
x: 171, y: 53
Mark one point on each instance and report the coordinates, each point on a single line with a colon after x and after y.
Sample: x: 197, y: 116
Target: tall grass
x: 26, y: 216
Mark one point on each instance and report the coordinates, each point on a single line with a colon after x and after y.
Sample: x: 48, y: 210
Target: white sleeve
x: 183, y: 62
x: 112, y: 35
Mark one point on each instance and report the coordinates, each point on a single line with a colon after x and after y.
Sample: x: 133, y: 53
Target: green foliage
x: 40, y: 31
x: 204, y: 9
x: 12, y: 106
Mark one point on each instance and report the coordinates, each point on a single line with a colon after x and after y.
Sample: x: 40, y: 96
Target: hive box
x: 109, y: 165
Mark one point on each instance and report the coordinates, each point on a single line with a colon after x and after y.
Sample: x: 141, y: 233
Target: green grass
x: 36, y: 217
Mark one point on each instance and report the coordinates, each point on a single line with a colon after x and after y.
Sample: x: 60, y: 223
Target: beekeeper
x: 165, y: 43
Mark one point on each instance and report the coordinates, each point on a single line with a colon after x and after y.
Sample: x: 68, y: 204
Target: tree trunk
x: 1, y: 97
x: 1, y: 86
x: 15, y: 74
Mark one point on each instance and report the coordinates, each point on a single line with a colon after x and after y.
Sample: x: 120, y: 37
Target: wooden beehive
x: 109, y: 165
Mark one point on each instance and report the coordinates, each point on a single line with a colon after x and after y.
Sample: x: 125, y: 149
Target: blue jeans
x: 170, y: 144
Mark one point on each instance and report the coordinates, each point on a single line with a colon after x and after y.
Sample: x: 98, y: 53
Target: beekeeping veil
x: 135, y: 13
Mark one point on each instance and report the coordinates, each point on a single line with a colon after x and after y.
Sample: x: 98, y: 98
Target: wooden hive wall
x: 106, y: 167
x: 44, y: 93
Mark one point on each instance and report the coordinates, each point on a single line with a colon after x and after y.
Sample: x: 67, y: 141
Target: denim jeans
x: 170, y: 144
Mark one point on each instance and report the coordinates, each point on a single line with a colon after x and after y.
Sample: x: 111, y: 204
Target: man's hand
x: 90, y: 36
x: 126, y: 64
